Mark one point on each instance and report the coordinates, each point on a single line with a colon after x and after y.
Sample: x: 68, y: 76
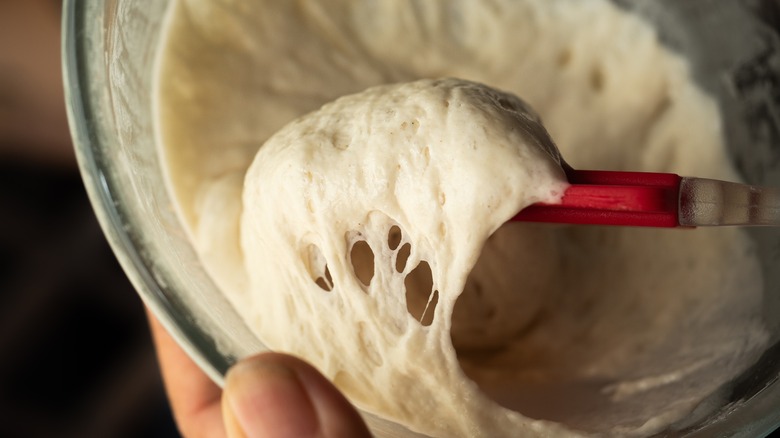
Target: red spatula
x: 644, y: 199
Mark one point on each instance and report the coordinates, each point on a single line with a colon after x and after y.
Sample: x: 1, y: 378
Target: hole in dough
x: 421, y: 299
x: 362, y: 259
x: 325, y: 282
x: 318, y: 268
x: 402, y: 257
x: 394, y: 237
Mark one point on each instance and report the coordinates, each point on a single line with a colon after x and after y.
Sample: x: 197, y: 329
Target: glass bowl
x: 109, y: 49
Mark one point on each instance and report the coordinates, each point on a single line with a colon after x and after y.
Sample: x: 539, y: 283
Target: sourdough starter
x: 368, y: 235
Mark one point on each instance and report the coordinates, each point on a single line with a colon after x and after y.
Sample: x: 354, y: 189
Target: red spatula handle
x: 596, y: 197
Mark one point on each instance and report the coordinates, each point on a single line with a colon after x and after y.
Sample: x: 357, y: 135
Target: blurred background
x: 77, y: 358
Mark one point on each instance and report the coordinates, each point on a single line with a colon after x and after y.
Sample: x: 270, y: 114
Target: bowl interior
x: 109, y: 51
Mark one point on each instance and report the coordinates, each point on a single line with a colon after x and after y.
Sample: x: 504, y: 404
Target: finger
x: 280, y: 396
x: 195, y: 399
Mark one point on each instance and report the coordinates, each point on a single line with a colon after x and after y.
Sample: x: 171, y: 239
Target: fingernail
x: 267, y: 399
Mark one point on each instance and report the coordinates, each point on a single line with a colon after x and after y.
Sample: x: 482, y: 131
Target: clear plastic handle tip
x: 707, y: 202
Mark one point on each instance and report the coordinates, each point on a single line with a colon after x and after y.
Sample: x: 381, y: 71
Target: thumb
x: 279, y: 396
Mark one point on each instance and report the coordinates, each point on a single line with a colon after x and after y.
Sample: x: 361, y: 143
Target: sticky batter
x: 367, y: 236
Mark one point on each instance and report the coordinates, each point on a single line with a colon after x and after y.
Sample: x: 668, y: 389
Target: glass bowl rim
x: 83, y: 121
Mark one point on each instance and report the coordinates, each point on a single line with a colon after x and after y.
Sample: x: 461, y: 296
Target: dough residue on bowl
x: 368, y: 236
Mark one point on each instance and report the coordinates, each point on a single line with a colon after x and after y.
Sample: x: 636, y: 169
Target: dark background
x: 76, y: 358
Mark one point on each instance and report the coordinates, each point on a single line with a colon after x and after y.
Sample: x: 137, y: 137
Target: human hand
x: 268, y: 395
